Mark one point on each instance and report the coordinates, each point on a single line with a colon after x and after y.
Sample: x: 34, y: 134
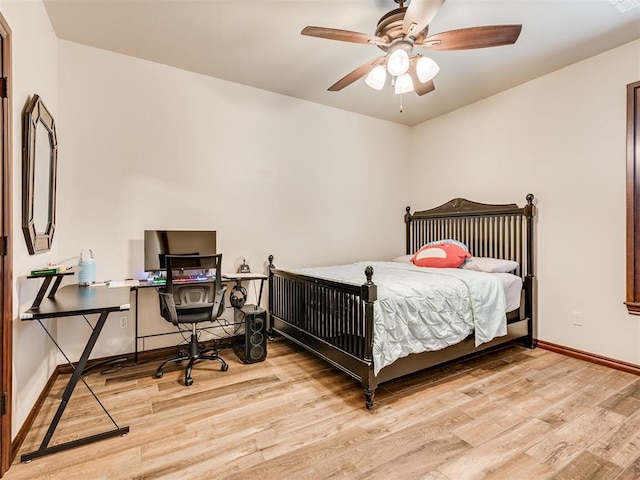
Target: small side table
x: 240, y: 277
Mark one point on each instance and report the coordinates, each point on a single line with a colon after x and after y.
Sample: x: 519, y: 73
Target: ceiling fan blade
x: 422, y: 88
x: 342, y: 35
x: 473, y: 37
x: 419, y: 15
x: 356, y: 74
x: 419, y: 87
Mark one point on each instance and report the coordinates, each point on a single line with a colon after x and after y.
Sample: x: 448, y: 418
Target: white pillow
x: 490, y: 265
x: 403, y: 259
x: 447, y: 240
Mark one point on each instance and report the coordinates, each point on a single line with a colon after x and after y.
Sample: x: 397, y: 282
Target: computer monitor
x: 159, y: 243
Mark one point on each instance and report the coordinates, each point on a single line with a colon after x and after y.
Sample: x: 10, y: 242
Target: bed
x: 335, y: 318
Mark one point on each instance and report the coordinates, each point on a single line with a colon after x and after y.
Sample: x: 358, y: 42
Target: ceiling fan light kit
x: 377, y: 77
x: 426, y: 68
x: 404, y: 84
x: 398, y: 62
x: 398, y: 32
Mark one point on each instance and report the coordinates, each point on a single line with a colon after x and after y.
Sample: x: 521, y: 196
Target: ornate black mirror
x: 39, y: 164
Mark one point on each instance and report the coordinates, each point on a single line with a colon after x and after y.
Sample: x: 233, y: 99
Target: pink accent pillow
x: 444, y: 255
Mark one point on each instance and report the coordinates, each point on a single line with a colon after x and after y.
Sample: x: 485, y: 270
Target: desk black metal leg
x: 260, y: 294
x: 135, y: 356
x: 54, y: 289
x: 66, y: 396
x: 41, y: 293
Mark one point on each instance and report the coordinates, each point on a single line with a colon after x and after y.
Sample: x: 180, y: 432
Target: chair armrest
x: 168, y: 305
x: 218, y: 305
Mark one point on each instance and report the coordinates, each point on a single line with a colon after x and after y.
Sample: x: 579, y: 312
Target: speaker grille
x: 256, y: 338
x: 256, y: 352
x: 256, y: 324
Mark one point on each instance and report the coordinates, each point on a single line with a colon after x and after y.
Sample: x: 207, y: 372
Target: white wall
x: 158, y: 147
x: 561, y: 137
x: 35, y: 71
x: 146, y: 146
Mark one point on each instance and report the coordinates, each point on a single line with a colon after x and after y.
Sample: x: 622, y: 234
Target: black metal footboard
x: 333, y: 320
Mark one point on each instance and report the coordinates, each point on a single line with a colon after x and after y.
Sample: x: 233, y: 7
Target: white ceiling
x: 258, y: 43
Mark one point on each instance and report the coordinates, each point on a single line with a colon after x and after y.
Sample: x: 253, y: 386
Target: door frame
x: 633, y: 198
x: 6, y: 252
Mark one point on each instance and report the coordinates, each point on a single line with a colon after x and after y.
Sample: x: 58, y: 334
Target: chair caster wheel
x: 188, y: 382
x: 224, y: 367
x: 159, y: 374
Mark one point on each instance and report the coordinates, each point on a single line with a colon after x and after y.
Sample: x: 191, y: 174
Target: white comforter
x: 421, y: 309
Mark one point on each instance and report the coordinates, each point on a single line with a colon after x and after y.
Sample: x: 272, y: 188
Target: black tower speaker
x: 251, y: 333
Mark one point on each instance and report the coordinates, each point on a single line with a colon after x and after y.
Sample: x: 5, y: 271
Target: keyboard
x: 184, y: 279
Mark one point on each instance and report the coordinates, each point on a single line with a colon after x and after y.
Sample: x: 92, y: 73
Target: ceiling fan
x: 398, y: 32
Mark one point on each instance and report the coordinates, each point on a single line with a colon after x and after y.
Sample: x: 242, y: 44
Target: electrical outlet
x: 124, y: 321
x: 576, y: 318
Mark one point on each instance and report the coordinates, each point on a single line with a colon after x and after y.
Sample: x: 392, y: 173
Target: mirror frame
x: 36, y: 114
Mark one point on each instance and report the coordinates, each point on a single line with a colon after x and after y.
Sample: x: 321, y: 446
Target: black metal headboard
x: 499, y: 231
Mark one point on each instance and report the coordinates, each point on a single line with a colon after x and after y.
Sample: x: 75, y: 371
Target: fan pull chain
x: 401, y: 103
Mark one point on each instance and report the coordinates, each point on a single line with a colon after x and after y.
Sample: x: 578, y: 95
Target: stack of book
x: 50, y: 270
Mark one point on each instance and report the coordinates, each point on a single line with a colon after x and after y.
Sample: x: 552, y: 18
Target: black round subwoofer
x: 250, y: 343
x: 256, y: 353
x: 257, y: 325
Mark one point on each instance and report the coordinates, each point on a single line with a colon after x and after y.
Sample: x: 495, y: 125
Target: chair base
x: 193, y: 355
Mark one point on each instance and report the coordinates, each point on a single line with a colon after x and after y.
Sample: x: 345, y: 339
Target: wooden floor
x: 514, y: 414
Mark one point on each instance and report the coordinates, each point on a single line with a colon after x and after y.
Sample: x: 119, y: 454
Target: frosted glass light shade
x: 398, y: 62
x: 426, y: 69
x: 404, y: 84
x: 376, y: 78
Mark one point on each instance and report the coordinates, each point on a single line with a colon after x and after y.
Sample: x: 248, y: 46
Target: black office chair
x: 194, y: 301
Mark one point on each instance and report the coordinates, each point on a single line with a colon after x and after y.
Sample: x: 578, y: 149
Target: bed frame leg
x: 368, y: 397
x: 531, y: 342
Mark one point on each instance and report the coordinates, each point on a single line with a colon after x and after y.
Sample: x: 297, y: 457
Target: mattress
x: 424, y: 309
x: 512, y: 285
